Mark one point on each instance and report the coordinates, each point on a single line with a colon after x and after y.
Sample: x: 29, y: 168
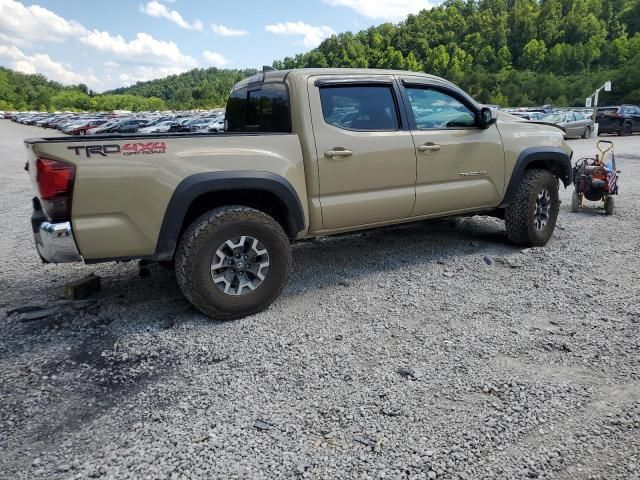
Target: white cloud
x: 390, y: 10
x: 25, y: 25
x: 158, y: 10
x: 311, y: 35
x: 42, y: 63
x: 214, y: 58
x: 226, y: 31
x: 144, y: 50
x: 143, y: 74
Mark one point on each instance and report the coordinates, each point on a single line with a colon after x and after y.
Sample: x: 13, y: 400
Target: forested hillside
x: 508, y: 52
x: 200, y: 88
x: 19, y: 91
x: 195, y: 89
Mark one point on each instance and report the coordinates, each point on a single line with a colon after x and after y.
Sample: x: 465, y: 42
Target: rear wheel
x: 233, y: 262
x: 587, y: 133
x: 626, y: 129
x: 575, y: 202
x: 531, y: 217
x: 609, y: 205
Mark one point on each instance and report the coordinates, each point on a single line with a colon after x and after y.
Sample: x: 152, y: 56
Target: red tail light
x: 55, y: 185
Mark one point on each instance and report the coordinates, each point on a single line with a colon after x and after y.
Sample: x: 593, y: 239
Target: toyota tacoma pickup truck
x: 305, y: 153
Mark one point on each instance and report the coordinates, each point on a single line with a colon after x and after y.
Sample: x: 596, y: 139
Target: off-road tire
x: 519, y: 216
x: 198, y: 246
x: 609, y: 205
x: 575, y: 202
x: 587, y: 133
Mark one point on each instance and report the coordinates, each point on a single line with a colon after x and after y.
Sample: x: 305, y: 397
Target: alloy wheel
x: 240, y: 265
x: 542, y: 211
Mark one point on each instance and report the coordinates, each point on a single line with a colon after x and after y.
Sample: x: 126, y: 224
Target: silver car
x: 573, y: 124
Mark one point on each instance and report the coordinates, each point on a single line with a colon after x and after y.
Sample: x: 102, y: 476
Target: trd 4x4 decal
x: 143, y: 148
x: 126, y: 149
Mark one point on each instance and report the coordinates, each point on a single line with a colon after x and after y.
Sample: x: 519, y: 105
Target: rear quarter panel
x: 120, y: 199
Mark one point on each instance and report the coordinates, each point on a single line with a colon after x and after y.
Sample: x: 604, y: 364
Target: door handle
x: 338, y: 152
x: 429, y: 147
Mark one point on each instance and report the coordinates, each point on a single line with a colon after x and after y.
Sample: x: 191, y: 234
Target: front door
x: 366, y: 157
x: 460, y: 165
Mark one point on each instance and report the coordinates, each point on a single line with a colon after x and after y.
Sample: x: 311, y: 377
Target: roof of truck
x: 282, y: 75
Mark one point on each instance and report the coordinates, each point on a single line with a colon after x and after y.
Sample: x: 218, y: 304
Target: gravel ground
x: 397, y: 353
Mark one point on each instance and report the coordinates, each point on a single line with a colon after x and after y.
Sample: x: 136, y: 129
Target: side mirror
x: 487, y: 117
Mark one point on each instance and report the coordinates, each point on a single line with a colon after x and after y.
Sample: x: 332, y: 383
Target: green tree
x: 504, y: 58
x: 534, y: 54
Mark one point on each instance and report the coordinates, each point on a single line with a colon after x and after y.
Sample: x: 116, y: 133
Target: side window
x: 259, y: 109
x: 435, y: 109
x: 360, y: 107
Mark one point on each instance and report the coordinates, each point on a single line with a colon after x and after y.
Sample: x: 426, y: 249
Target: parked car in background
x: 573, y: 124
x: 623, y: 120
x: 204, y: 125
x: 102, y: 128
x: 161, y: 127
x: 82, y: 127
x: 529, y: 115
x: 129, y: 125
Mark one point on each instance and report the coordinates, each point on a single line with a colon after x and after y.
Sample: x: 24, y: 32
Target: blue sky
x: 107, y: 44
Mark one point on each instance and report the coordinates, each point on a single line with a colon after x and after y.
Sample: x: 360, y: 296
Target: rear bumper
x: 54, y: 241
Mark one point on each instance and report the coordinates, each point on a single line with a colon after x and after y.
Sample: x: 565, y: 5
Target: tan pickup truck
x: 305, y: 153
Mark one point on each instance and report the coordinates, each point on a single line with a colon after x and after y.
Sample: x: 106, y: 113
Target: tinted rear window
x: 359, y: 107
x: 259, y: 109
x: 607, y: 111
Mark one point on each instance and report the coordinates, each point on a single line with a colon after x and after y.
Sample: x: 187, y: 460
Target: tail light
x: 55, y: 187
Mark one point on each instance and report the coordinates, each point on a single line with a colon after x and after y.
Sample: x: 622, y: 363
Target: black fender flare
x: 553, y: 159
x: 192, y: 187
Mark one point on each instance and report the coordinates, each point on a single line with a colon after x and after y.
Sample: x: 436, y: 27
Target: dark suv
x: 623, y: 120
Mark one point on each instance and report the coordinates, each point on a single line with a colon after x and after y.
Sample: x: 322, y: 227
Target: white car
x: 215, y: 125
x: 161, y: 127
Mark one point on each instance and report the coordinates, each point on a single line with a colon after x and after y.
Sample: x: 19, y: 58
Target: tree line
x: 196, y: 89
x: 505, y: 52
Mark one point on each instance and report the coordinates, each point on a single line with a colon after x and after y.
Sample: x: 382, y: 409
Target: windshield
x: 554, y: 118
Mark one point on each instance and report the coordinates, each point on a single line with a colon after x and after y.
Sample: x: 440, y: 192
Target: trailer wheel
x: 609, y: 205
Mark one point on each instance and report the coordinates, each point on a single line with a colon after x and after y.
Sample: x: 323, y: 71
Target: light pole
x: 607, y: 88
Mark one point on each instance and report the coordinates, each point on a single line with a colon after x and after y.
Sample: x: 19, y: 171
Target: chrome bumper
x: 55, y: 243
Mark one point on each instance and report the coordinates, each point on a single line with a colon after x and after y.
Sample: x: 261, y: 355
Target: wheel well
x: 554, y: 167
x: 262, y: 200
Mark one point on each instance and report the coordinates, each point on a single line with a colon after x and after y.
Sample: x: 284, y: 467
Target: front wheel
x: 233, y: 262
x: 531, y: 217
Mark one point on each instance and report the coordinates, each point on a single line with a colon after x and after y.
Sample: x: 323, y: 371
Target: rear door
x: 635, y: 118
x: 579, y: 124
x: 460, y: 165
x: 606, y: 117
x: 365, y: 152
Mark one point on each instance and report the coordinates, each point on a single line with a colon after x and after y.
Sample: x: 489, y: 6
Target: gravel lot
x: 397, y: 353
